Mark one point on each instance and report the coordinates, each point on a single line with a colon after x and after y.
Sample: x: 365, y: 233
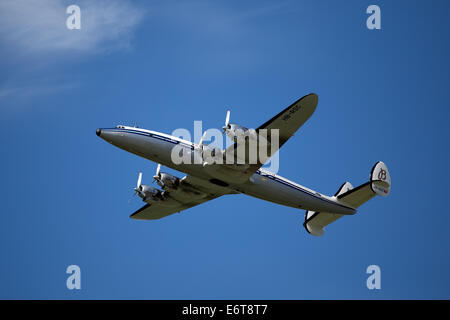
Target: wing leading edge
x: 292, y: 118
x: 287, y: 122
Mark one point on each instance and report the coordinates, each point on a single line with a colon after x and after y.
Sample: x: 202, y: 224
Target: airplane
x: 206, y: 181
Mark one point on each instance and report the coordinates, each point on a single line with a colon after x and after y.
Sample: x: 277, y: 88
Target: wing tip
x: 315, y: 101
x: 133, y: 215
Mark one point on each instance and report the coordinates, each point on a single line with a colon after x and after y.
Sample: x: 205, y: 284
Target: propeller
x: 138, y: 186
x: 200, y: 144
x: 227, y: 121
x: 157, y: 175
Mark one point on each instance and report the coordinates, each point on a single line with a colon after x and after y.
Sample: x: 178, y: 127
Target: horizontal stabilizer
x: 315, y: 222
x: 380, y: 183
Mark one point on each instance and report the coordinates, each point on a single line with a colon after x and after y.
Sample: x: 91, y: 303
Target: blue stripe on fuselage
x: 151, y: 135
x: 288, y: 184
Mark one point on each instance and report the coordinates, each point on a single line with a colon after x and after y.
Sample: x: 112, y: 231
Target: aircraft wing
x: 287, y: 122
x: 191, y: 192
x: 157, y: 211
x: 292, y: 118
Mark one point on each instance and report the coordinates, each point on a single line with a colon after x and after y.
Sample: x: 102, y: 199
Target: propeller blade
x: 139, y: 180
x: 227, y: 119
x: 157, y: 174
x: 200, y: 144
x: 134, y: 194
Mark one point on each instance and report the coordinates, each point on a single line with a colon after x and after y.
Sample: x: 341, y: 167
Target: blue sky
x: 382, y: 96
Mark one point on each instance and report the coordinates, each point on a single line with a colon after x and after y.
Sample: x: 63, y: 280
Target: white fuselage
x: 262, y: 184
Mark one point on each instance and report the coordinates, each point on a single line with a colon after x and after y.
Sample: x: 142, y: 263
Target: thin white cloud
x: 216, y: 18
x: 28, y: 91
x: 217, y: 36
x: 36, y: 44
x: 39, y: 26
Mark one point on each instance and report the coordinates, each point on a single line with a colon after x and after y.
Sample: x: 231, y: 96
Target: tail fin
x: 380, y: 183
x: 381, y: 179
x: 346, y: 186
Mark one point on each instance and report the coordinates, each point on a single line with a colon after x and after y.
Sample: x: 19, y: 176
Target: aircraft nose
x: 98, y: 132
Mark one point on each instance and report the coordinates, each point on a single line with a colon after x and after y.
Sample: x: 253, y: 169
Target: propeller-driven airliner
x: 205, y: 180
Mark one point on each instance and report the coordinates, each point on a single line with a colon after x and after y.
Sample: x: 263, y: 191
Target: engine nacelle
x: 235, y: 131
x: 168, y: 181
x: 150, y: 194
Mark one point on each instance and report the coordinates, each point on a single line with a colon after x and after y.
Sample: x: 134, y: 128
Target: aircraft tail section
x: 379, y: 184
